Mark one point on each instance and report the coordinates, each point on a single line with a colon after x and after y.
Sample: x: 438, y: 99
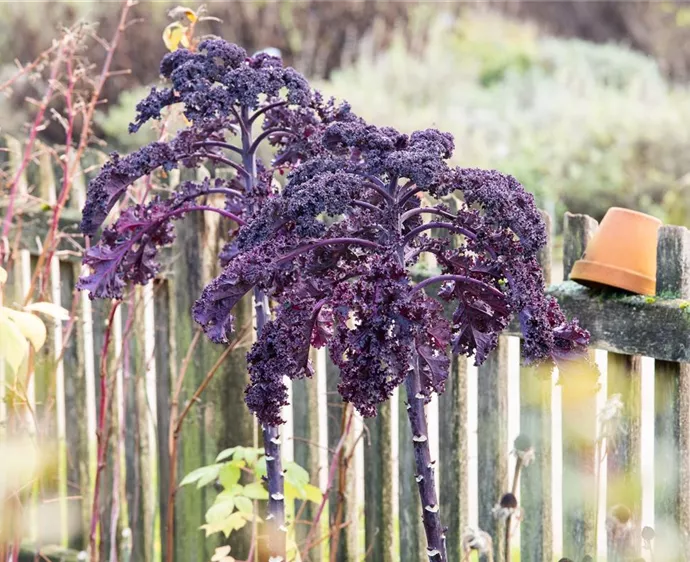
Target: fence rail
x: 153, y: 332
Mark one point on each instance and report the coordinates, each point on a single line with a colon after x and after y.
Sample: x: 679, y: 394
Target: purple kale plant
x: 235, y: 104
x: 338, y: 249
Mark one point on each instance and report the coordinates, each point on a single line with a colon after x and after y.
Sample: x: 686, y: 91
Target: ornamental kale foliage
x: 337, y: 247
x: 223, y: 93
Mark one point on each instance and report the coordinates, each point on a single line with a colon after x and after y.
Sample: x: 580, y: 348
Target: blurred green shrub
x: 583, y: 126
x: 114, y: 122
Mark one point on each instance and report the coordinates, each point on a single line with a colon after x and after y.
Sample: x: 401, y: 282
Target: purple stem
x: 219, y: 144
x: 222, y: 212
x: 459, y: 278
x: 407, y: 194
x: 264, y: 109
x: 445, y: 225
x: 426, y: 210
x: 221, y: 159
x: 435, y: 537
x: 380, y: 190
x: 365, y: 205
x: 274, y: 467
x: 328, y: 242
x: 223, y: 191
x: 267, y: 133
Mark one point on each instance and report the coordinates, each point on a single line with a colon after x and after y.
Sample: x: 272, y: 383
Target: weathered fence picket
x: 672, y: 413
x: 412, y: 538
x: 492, y: 441
x: 453, y: 458
x: 343, y: 511
x: 624, y: 456
x: 305, y: 415
x: 579, y: 423
x: 536, y: 497
x: 378, y: 495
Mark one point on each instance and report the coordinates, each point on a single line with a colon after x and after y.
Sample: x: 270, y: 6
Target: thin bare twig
x: 101, y: 438
x: 176, y: 426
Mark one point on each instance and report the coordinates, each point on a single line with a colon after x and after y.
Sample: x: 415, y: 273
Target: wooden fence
x: 152, y: 332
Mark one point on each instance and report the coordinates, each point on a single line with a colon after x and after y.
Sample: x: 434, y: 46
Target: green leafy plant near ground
x: 234, y: 506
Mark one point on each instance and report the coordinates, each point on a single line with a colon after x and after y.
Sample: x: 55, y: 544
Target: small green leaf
x: 249, y: 454
x: 255, y: 491
x: 202, y: 475
x: 260, y: 467
x: 232, y: 523
x: 229, y: 475
x: 313, y: 493
x: 244, y: 504
x: 231, y: 492
x: 226, y: 454
x: 296, y: 475
x: 220, y: 511
x: 292, y: 492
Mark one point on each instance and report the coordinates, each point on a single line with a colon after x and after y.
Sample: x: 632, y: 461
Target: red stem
x: 101, y: 438
x: 66, y: 178
x: 335, y: 463
x: 33, y: 135
x: 48, y: 245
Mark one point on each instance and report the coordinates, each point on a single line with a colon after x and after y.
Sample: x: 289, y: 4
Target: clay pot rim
x: 626, y: 279
x: 637, y: 213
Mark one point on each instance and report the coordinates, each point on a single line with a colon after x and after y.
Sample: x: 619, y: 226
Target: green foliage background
x: 583, y: 126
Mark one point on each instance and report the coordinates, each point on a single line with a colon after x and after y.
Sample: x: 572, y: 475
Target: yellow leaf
x: 3, y: 276
x: 30, y: 325
x: 175, y: 35
x: 49, y: 309
x: 181, y: 13
x: 13, y: 346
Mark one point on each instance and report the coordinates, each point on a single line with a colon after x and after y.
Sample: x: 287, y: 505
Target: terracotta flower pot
x: 622, y: 253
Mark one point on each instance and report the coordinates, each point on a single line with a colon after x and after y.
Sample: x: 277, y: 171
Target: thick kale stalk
x: 435, y: 537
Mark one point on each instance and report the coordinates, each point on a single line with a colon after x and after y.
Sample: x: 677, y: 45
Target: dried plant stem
x: 177, y: 421
x: 508, y: 531
x: 29, y: 67
x: 71, y: 165
x: 33, y: 135
x: 101, y: 434
x: 342, y: 481
x: 436, y: 544
x: 335, y: 463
